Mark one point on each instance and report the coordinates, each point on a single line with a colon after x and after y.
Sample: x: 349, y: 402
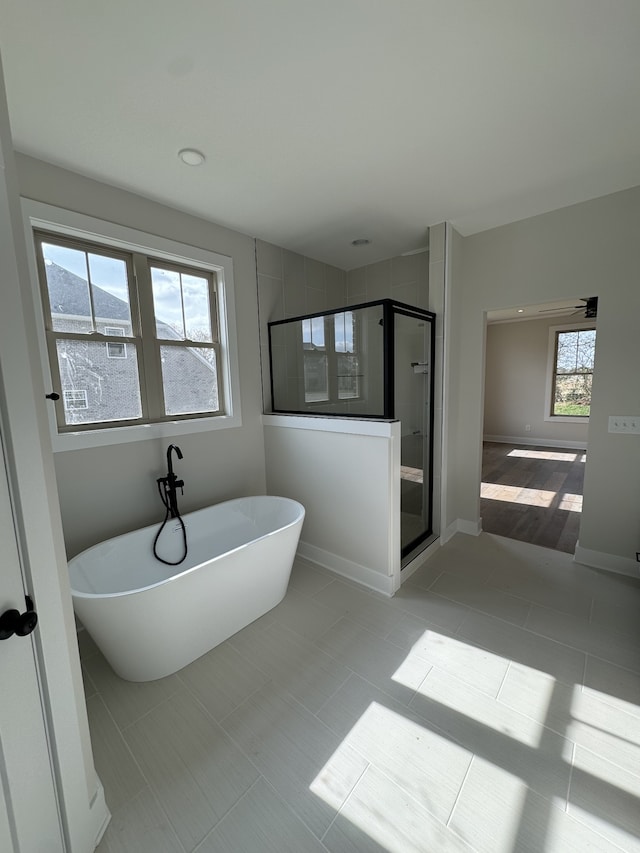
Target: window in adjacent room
x: 347, y: 361
x: 330, y: 356
x: 316, y: 363
x: 572, y: 371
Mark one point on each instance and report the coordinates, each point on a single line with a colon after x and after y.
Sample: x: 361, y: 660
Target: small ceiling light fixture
x: 520, y: 310
x: 360, y: 241
x: 191, y: 157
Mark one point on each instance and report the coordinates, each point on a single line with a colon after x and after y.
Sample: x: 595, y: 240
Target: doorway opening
x: 539, y: 366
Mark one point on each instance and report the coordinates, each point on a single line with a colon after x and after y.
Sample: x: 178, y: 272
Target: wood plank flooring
x: 533, y: 494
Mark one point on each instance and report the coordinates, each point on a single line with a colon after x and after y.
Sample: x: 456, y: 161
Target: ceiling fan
x: 590, y: 308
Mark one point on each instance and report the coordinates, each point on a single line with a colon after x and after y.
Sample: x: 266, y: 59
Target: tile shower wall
x: 289, y: 285
x: 404, y: 278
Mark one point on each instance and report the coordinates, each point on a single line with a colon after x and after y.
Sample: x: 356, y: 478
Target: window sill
x: 567, y: 419
x: 140, y: 432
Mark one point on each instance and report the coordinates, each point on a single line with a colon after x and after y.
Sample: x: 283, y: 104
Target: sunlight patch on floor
x: 335, y: 779
x: 528, y: 690
x: 598, y: 726
x: 480, y: 709
x: 572, y: 503
x: 600, y: 796
x: 530, y: 497
x: 489, y: 811
x: 478, y: 666
x: 415, y: 475
x: 424, y: 764
x: 516, y: 494
x: 627, y: 703
x: 394, y: 821
x: 550, y: 455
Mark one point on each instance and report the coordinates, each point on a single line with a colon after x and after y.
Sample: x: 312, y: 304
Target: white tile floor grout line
x: 295, y: 814
x: 504, y: 678
x: 571, y: 766
x: 149, y: 711
x: 345, y: 801
x: 121, y: 732
x: 350, y: 672
x: 459, y: 794
x: 584, y: 673
x: 229, y: 811
x: 136, y: 763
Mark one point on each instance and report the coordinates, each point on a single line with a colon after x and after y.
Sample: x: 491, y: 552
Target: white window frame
x: 551, y: 368
x: 332, y: 356
x: 353, y: 352
x: 115, y: 331
x: 67, y: 393
x: 39, y: 216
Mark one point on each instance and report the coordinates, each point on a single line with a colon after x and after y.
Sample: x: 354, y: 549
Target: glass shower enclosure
x: 372, y: 360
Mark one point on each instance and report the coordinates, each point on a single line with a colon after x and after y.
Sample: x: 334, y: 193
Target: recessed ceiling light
x: 361, y: 241
x: 520, y: 310
x: 191, y: 157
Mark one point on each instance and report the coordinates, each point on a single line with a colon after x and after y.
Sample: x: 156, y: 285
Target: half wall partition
x: 372, y: 360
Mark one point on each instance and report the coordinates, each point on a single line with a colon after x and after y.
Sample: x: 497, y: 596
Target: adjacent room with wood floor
x: 539, y: 370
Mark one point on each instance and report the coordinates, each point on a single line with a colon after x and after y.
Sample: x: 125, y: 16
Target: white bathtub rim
x: 181, y: 574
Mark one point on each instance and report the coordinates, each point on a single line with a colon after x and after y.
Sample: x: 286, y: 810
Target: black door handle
x: 13, y: 622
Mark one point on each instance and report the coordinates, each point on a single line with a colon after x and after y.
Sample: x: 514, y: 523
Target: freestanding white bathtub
x: 149, y: 620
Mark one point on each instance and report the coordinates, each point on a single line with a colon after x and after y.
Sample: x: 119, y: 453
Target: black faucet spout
x: 171, y: 483
x: 178, y: 452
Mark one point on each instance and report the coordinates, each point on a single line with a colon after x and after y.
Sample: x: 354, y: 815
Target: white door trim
x: 29, y: 462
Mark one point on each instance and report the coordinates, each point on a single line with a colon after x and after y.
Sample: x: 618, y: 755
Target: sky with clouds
x: 110, y: 274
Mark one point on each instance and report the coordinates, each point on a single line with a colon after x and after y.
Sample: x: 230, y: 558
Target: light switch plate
x: 629, y: 424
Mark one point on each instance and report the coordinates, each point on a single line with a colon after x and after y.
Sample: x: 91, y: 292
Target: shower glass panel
x: 412, y: 396
x: 330, y: 364
x: 372, y: 360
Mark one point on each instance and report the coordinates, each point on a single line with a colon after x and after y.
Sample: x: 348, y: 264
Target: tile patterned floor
x: 492, y: 705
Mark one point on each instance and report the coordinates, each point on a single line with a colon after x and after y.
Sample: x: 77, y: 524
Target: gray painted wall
x: 516, y: 376
x: 110, y: 490
x: 290, y: 285
x: 587, y: 248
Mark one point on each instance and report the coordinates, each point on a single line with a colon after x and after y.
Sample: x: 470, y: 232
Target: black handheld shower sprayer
x: 170, y: 484
x: 168, y: 488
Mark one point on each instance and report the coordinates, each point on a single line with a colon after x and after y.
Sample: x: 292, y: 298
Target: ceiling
x: 327, y: 121
x: 569, y: 309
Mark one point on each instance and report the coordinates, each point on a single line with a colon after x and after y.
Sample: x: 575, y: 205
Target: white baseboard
x: 347, y: 568
x: 100, y: 814
x: 421, y: 558
x: 461, y: 525
x: 530, y: 441
x: 608, y: 562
